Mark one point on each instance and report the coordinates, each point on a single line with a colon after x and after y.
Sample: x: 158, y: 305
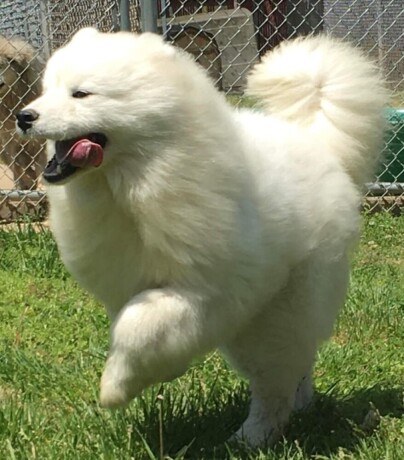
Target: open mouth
x: 75, y: 154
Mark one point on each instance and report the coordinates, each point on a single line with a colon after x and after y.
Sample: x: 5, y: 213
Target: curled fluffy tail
x: 335, y: 90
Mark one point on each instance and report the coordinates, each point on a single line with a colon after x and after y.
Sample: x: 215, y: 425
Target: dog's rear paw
x: 304, y: 393
x: 255, y: 435
x: 265, y: 422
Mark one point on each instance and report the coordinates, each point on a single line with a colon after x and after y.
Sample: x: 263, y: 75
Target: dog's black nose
x: 25, y: 118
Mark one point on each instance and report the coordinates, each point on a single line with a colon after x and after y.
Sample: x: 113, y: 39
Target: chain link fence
x: 227, y: 37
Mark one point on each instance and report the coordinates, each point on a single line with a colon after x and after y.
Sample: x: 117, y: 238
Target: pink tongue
x: 85, y: 153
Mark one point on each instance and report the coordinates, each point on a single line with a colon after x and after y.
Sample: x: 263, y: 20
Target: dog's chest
x: 102, y: 249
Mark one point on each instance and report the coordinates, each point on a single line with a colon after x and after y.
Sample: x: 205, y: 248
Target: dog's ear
x: 85, y: 33
x: 152, y: 41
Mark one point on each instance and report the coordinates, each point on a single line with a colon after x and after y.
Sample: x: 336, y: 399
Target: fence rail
x: 227, y: 37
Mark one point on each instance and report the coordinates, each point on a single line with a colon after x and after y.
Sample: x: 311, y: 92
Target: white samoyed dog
x: 201, y: 226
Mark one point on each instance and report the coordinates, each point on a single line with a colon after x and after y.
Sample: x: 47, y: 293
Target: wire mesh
x: 29, y: 32
x: 227, y: 37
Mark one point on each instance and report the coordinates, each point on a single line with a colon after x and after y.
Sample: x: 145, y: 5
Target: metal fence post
x: 149, y: 15
x: 124, y: 15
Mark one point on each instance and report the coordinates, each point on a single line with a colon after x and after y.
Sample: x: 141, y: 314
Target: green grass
x: 54, y: 340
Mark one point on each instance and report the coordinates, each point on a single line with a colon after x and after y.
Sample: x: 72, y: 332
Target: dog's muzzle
x: 74, y: 154
x: 26, y: 118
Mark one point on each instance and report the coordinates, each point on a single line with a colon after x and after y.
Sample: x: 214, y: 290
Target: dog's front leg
x: 154, y: 338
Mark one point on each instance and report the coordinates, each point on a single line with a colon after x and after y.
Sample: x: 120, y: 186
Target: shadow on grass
x: 331, y: 422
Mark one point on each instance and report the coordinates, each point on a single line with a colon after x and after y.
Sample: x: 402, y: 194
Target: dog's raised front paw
x: 113, y: 396
x: 119, y: 384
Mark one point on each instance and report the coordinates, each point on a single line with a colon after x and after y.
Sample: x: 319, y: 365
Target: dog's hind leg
x: 275, y: 357
x: 277, y: 350
x: 304, y: 392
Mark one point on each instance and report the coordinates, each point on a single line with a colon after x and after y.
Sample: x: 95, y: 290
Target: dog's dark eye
x: 79, y: 94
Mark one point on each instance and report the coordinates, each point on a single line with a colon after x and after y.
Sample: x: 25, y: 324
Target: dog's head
x: 102, y: 93
x: 19, y: 72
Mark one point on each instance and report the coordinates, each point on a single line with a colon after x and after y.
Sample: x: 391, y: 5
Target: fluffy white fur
x: 210, y: 227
